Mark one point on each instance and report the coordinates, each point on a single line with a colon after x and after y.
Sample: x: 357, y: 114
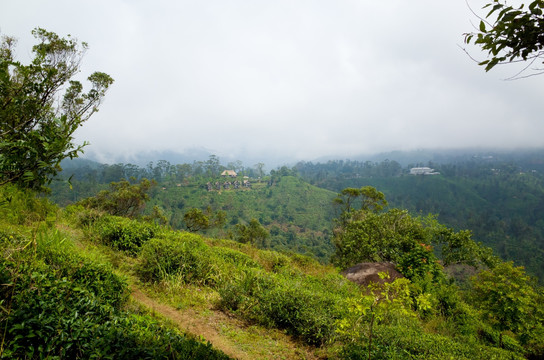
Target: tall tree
x: 37, y: 123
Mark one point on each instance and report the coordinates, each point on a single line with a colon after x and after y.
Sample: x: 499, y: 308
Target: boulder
x: 365, y: 273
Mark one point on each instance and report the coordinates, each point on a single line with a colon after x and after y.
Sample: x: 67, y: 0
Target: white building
x: 423, y: 171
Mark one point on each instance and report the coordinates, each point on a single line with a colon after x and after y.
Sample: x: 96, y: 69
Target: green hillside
x: 297, y: 214
x: 81, y: 283
x: 109, y: 272
x: 500, y: 200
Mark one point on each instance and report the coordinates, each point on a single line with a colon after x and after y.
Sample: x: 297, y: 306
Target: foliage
x: 22, y: 207
x: 380, y: 302
x: 296, y: 214
x: 407, y: 341
x: 35, y: 132
x: 63, y: 259
x: 56, y: 302
x: 304, y: 306
x: 369, y: 198
x: 420, y: 262
x: 195, y: 220
x: 68, y: 301
x: 370, y: 236
x: 508, y: 300
x: 510, y: 34
x: 123, y: 198
x: 184, y: 256
x: 253, y: 233
x: 124, y: 234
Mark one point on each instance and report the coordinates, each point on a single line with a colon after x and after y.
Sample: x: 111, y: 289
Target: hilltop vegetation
x: 497, y: 197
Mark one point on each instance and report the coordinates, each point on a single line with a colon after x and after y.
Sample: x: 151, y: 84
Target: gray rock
x: 365, y: 273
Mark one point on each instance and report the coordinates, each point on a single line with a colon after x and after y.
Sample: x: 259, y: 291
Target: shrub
x: 23, y: 207
x: 306, y: 307
x: 52, y: 317
x: 183, y: 255
x: 82, y: 216
x: 95, y: 277
x: 125, y: 234
x: 235, y: 257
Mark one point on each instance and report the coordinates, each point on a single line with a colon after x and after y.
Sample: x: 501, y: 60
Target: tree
x: 37, y: 123
x: 511, y: 34
x: 254, y: 233
x: 123, y: 199
x: 374, y: 237
x: 373, y: 306
x: 507, y: 299
x: 259, y: 167
x: 368, y: 197
x: 196, y: 220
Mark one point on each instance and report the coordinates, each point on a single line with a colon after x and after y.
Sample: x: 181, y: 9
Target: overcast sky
x: 286, y: 78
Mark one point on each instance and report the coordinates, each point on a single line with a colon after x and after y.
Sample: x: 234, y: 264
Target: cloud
x: 298, y: 79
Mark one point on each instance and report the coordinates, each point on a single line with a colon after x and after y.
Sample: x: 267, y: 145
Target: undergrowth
x: 59, y: 303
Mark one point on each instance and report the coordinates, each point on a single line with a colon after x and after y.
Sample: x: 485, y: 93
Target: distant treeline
x: 160, y: 171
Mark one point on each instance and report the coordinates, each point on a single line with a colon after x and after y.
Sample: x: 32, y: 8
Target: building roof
x: 229, y: 173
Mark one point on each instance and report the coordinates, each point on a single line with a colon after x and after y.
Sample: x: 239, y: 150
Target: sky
x: 286, y: 79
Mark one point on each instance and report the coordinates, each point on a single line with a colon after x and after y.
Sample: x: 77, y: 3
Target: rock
x: 365, y: 273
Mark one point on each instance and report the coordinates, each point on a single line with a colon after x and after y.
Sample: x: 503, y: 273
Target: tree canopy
x: 511, y: 34
x: 41, y: 107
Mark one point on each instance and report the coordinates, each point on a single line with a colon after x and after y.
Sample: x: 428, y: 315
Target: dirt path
x: 222, y: 332
x: 190, y: 322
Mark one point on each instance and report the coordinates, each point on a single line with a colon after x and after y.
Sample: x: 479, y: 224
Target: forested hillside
x: 500, y: 198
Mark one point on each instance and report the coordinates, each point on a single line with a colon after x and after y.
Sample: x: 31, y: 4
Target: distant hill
x: 499, y: 197
x: 297, y: 214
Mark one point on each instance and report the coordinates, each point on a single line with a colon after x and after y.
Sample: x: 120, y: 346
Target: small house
x: 230, y: 173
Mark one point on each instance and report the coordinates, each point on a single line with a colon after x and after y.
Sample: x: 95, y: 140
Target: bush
x: 82, y: 216
x: 52, y: 317
x: 183, y: 255
x: 57, y: 303
x: 23, y: 207
x: 95, y: 277
x: 235, y: 257
x: 125, y: 234
x: 305, y: 306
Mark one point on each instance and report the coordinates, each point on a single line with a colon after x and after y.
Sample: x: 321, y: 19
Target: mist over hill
x: 272, y: 161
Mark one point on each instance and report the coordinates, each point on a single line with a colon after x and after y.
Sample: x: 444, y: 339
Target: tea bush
x: 57, y: 303
x: 62, y: 258
x: 125, y: 234
x: 52, y: 317
x: 183, y: 255
x: 82, y: 216
x: 304, y: 306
